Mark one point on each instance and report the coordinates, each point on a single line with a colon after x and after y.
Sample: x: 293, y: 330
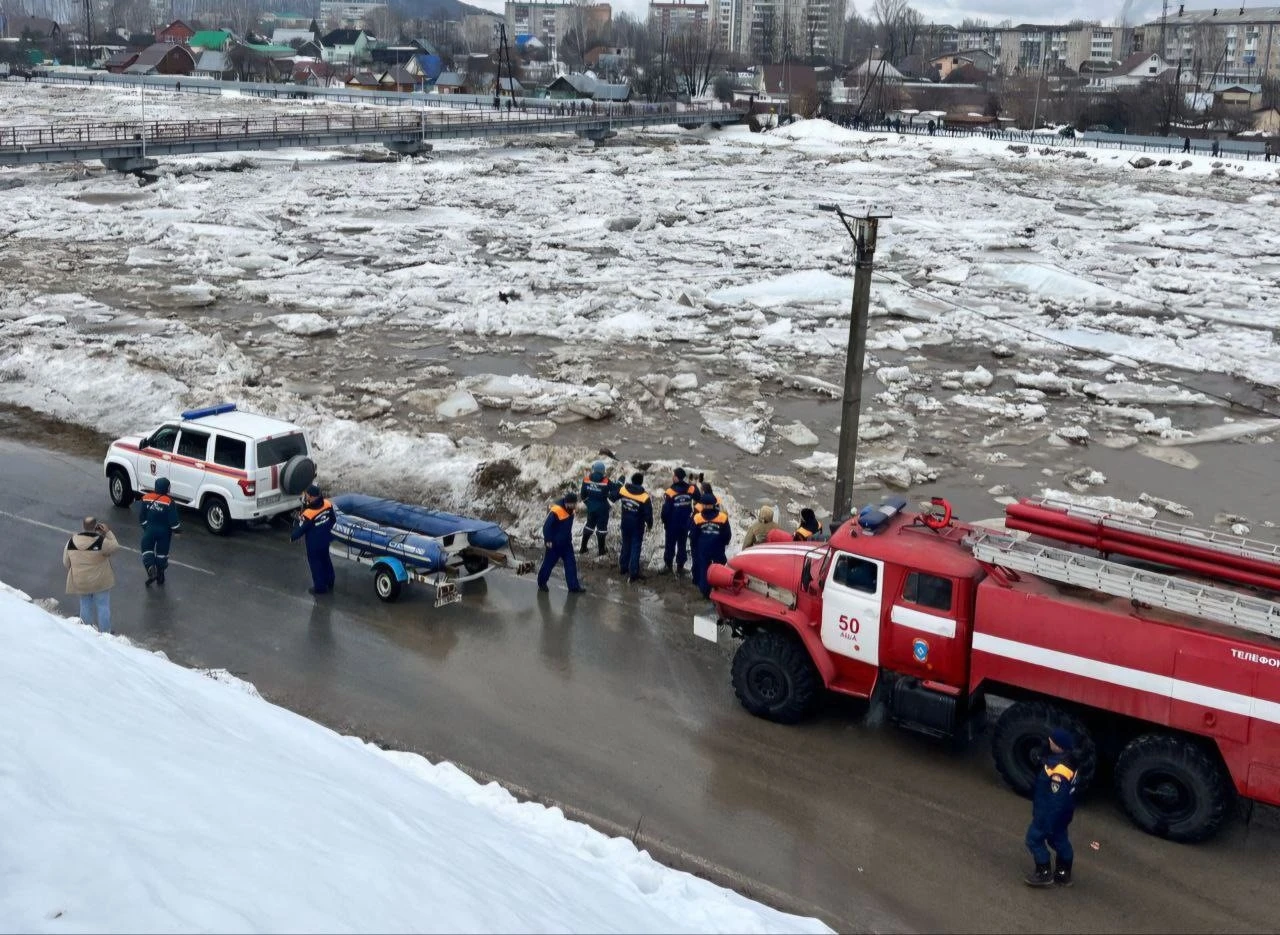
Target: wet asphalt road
x: 604, y: 703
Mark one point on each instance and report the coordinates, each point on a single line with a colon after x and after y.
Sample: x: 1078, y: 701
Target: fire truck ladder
x: 1147, y: 587
x: 1166, y: 531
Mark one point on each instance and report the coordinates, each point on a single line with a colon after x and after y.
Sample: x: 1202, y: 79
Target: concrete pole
x: 863, y: 231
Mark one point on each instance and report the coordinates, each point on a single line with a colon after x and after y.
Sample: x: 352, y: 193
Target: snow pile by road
x: 141, y: 796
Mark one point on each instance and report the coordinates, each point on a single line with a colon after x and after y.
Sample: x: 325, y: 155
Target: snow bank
x: 141, y: 796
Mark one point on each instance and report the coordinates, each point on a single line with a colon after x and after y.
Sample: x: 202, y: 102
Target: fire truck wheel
x: 774, y: 677
x: 1172, y: 787
x: 1018, y: 744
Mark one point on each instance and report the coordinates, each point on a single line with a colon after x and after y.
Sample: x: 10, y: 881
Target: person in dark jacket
x: 597, y: 490
x: 636, y: 520
x: 1052, y: 806
x: 710, y: 534
x: 809, y: 527
x: 677, y: 513
x: 158, y: 517
x: 557, y: 536
x: 315, y: 523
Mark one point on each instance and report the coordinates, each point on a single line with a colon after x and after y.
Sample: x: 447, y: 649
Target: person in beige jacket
x: 759, y: 531
x: 87, y: 559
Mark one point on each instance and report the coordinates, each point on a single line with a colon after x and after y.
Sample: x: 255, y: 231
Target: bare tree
x: 695, y: 51
x: 899, y: 25
x: 859, y: 37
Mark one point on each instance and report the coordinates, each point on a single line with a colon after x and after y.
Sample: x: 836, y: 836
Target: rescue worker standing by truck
x: 677, y: 514
x: 557, y: 536
x: 636, y: 519
x: 710, y: 534
x: 597, y: 490
x: 158, y: 517
x: 1052, y: 806
x: 315, y: 523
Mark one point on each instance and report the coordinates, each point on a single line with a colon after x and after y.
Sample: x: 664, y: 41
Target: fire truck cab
x: 1173, y: 679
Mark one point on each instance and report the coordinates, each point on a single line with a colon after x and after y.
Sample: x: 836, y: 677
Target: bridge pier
x: 408, y: 147
x: 130, y: 164
x: 596, y: 135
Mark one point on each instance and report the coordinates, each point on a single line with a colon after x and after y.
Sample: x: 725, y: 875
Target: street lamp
x: 862, y: 225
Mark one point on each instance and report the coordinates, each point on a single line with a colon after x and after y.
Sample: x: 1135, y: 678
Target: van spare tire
x: 297, y: 474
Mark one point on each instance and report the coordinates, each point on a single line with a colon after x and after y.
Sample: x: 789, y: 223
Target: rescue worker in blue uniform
x: 809, y: 527
x: 158, y: 517
x: 597, y: 490
x: 557, y: 536
x: 315, y: 523
x: 677, y: 513
x: 1053, y: 804
x: 710, y: 534
x: 636, y: 519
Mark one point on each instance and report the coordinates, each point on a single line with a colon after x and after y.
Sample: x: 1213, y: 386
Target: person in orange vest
x: 597, y: 490
x: 677, y: 514
x: 637, y: 518
x: 710, y: 534
x: 315, y: 523
x: 557, y: 536
x: 809, y: 527
x: 158, y: 517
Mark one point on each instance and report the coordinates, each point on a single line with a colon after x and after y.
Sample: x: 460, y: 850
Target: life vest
x: 638, y: 498
x: 159, y: 498
x: 802, y: 533
x: 311, y: 512
x: 560, y: 512
x: 702, y: 518
x: 681, y: 496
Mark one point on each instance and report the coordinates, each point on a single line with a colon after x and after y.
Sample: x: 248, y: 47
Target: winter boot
x: 600, y: 541
x: 151, y: 574
x: 1041, y: 876
x: 159, y: 576
x: 586, y: 537
x: 1062, y: 873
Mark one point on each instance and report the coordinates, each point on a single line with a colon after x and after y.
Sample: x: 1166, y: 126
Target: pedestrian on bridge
x: 87, y: 558
x: 158, y: 517
x: 1053, y: 805
x: 557, y: 536
x: 636, y: 520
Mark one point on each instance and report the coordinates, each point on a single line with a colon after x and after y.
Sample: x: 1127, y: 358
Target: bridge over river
x: 132, y: 146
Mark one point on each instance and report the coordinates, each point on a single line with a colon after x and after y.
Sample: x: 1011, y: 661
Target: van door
x: 851, y: 601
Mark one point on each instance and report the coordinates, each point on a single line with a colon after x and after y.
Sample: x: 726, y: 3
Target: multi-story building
x: 1235, y: 43
x: 984, y: 38
x: 550, y: 22
x: 777, y: 30
x: 348, y: 14
x: 672, y: 16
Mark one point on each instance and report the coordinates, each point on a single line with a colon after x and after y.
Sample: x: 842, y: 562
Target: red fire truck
x: 1154, y: 643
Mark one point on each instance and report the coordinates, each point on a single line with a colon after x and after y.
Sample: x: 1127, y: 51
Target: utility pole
x: 861, y: 226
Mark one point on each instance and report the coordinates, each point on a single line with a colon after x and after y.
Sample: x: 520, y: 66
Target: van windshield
x: 281, y: 449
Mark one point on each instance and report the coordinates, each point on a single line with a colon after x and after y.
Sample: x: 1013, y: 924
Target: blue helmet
x: 597, y: 471
x: 162, y: 485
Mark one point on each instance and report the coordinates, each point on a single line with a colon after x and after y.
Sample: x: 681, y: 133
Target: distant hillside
x: 435, y: 9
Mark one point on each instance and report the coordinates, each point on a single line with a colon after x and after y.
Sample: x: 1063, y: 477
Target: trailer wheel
x: 1018, y: 744
x: 385, y: 584
x: 1172, y: 787
x: 474, y: 564
x: 774, y: 677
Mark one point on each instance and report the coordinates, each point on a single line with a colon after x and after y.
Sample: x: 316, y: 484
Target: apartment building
x: 1235, y: 43
x: 550, y: 22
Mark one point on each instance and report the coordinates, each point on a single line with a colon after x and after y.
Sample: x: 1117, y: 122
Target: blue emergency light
x: 192, y: 414
x: 873, y: 519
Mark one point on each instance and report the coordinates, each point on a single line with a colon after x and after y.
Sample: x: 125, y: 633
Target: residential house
x: 364, y: 80
x: 36, y: 28
x: 613, y: 61
x: 215, y: 40
x: 1238, y: 98
x: 978, y: 59
x: 312, y: 74
x: 1267, y: 120
x: 163, y: 58
x: 176, y: 32
x: 312, y: 49
x: 346, y: 46
x: 117, y: 63
x: 1133, y: 71
x: 875, y: 70
x: 291, y: 37
x: 213, y: 63
x: 790, y: 80
x: 398, y: 79
x: 510, y: 87
x: 450, y: 82
x: 967, y: 73
x: 587, y: 88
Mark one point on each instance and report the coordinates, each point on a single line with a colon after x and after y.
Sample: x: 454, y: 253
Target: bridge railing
x: 71, y: 136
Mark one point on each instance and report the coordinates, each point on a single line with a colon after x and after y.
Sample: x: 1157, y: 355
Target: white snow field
x: 140, y: 796
x: 468, y: 329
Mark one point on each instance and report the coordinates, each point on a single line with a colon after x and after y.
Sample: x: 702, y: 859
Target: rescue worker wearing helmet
x: 1053, y: 805
x: 158, y: 517
x: 710, y: 534
x: 597, y: 490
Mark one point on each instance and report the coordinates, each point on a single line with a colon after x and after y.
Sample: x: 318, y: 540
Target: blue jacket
x: 557, y: 529
x: 157, y: 515
x: 637, y: 508
x: 597, y: 490
x: 1053, y: 802
x: 677, y: 504
x: 316, y: 524
x: 710, y: 533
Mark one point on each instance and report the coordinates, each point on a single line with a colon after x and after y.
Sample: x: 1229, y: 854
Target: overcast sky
x: 1020, y: 11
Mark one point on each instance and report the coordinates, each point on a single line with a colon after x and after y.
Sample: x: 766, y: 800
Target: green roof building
x: 213, y: 39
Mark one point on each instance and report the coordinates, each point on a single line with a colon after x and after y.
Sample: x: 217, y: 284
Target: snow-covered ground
x: 143, y: 797
x: 468, y: 329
